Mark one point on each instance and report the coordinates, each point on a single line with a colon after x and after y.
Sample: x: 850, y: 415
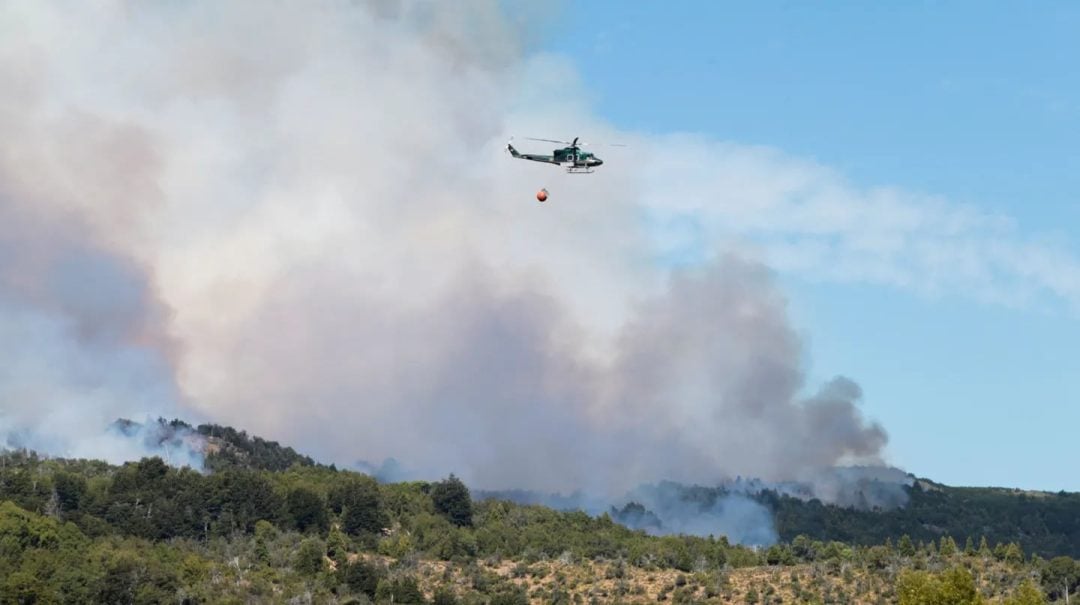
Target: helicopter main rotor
x: 575, y: 142
x: 572, y: 144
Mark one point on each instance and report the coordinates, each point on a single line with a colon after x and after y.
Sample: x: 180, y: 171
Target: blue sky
x: 975, y: 102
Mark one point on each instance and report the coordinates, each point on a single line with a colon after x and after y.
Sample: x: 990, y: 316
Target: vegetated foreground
x: 86, y: 532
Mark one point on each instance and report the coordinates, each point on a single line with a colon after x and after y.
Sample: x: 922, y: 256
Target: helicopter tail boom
x: 547, y: 159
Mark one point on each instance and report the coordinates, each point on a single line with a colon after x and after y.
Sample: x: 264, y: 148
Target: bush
x: 309, y: 557
x: 362, y: 577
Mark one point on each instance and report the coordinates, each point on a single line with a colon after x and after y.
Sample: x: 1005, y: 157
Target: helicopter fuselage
x: 575, y: 160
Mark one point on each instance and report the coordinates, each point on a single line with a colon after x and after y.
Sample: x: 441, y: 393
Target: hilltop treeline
x: 1042, y: 523
x: 219, y: 447
x: 232, y: 448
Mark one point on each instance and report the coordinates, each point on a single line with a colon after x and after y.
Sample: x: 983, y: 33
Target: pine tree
x: 948, y: 546
x: 907, y: 548
x: 1013, y: 553
x: 337, y: 546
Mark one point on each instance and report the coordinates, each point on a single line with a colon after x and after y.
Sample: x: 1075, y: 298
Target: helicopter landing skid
x: 573, y: 170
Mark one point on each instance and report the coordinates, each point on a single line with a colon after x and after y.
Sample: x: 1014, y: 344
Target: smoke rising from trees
x: 299, y: 220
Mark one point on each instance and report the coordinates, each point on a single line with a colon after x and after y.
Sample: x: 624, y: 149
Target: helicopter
x: 575, y: 160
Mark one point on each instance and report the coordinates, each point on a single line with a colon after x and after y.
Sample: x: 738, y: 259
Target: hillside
x: 1047, y: 524
x: 1043, y: 523
x: 86, y: 532
x: 147, y: 532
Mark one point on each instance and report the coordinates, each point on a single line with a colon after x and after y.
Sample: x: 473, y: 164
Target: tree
x: 444, y: 596
x: 248, y: 496
x: 361, y: 506
x: 306, y: 510
x: 309, y: 557
x: 69, y: 491
x: 958, y: 586
x: 150, y: 472
x: 954, y: 587
x: 1013, y: 553
x: 1027, y: 594
x: 779, y: 554
x: 906, y: 547
x: 453, y: 501
x: 803, y: 548
x: 399, y: 590
x: 362, y: 577
x: 948, y: 546
x: 511, y: 595
x: 121, y: 578
x: 19, y: 487
x: 1060, y: 573
x: 337, y: 546
x: 877, y: 557
x: 265, y: 532
x: 22, y: 587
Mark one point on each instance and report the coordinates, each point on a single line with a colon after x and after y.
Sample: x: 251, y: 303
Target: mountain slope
x: 1047, y: 524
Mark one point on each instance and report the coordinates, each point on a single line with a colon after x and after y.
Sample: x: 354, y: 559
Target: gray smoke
x: 82, y: 336
x: 703, y: 383
x: 299, y: 220
x: 860, y: 487
x: 732, y: 507
x: 665, y: 509
x: 714, y: 368
x: 676, y: 511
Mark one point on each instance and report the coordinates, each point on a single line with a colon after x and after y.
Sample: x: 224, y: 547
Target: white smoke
x: 299, y: 220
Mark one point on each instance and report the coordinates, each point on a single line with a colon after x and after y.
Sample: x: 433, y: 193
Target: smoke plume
x: 299, y: 220
x: 83, y: 337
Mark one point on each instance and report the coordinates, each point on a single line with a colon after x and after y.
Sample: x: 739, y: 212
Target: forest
x: 265, y: 524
